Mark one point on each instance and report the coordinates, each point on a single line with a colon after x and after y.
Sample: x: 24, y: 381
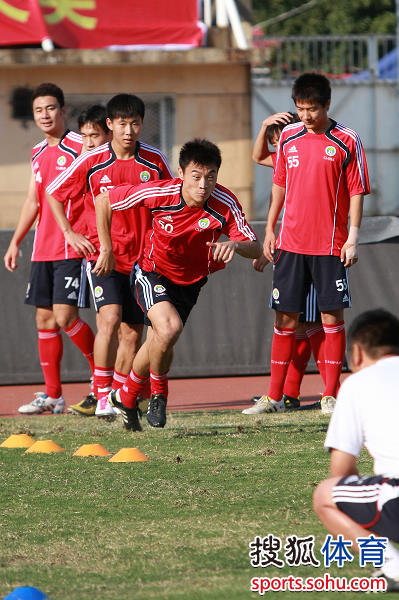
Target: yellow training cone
x: 45, y: 446
x: 18, y: 440
x: 91, y: 450
x: 128, y: 455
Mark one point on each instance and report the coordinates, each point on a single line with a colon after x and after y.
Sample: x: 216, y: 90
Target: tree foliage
x: 334, y: 18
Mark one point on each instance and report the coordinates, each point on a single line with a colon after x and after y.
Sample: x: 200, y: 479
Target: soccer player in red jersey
x: 309, y: 335
x: 93, y: 128
x: 123, y: 160
x: 189, y: 214
x: 320, y: 178
x: 55, y: 286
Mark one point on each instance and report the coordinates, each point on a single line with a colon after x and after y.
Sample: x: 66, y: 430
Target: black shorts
x: 293, y: 275
x: 373, y: 502
x: 150, y: 287
x: 58, y: 282
x: 115, y: 289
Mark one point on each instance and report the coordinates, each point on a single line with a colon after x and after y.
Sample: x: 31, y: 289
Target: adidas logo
x: 293, y: 149
x: 345, y: 298
x: 168, y: 218
x: 105, y: 179
x: 72, y: 296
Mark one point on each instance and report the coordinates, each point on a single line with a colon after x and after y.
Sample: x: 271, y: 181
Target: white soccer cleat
x: 43, y: 403
x: 264, y: 405
x: 104, y: 409
x: 328, y: 405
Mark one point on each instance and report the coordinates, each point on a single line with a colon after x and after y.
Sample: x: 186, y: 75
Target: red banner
x: 21, y: 22
x: 101, y: 23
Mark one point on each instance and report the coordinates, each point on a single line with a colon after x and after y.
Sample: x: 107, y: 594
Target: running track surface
x: 214, y: 393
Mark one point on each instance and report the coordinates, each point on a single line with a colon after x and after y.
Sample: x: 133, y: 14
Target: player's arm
x: 276, y: 203
x: 224, y: 251
x: 342, y: 463
x: 349, y: 252
x: 106, y: 260
x: 79, y: 242
x: 26, y: 219
x: 261, y: 153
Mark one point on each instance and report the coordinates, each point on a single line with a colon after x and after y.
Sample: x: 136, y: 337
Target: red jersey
x: 100, y: 170
x: 320, y: 173
x: 176, y: 246
x: 47, y: 162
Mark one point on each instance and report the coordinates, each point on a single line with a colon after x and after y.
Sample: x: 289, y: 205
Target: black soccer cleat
x: 130, y: 416
x: 156, y: 414
x: 291, y: 403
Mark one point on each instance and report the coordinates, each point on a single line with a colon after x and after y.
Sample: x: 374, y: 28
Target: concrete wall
x: 210, y: 88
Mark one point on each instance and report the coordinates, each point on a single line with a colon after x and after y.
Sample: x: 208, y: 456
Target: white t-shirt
x: 367, y: 414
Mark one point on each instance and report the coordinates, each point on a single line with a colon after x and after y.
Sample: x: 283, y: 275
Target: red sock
x: 317, y: 340
x: 103, y: 381
x: 132, y: 387
x: 334, y: 354
x: 297, y: 366
x: 83, y: 337
x: 159, y: 384
x: 50, y: 354
x: 118, y: 380
x: 282, y: 350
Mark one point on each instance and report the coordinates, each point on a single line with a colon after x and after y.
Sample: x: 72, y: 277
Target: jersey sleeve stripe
x: 141, y: 195
x: 160, y: 154
x: 359, y: 152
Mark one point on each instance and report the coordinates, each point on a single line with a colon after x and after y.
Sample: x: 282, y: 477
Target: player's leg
x: 296, y: 368
x: 39, y: 294
x: 330, y: 278
x: 289, y: 289
x: 108, y: 321
x: 355, y: 507
x: 68, y: 277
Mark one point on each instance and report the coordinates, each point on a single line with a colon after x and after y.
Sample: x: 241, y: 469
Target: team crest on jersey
x: 204, y: 222
x: 98, y: 291
x: 159, y: 289
x: 276, y: 294
x: 61, y: 161
x: 144, y: 176
x: 330, y: 151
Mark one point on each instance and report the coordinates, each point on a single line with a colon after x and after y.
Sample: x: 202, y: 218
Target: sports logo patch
x: 159, y: 289
x: 276, y: 294
x: 61, y: 161
x: 144, y: 176
x: 204, y: 223
x: 98, y: 291
x: 330, y: 151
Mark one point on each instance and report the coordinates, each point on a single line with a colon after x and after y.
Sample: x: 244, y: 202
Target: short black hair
x: 125, y: 106
x: 49, y: 89
x: 277, y: 128
x: 200, y: 152
x: 376, y: 331
x: 95, y: 114
x: 311, y: 87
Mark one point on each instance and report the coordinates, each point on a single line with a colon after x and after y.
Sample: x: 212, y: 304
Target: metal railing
x: 361, y: 57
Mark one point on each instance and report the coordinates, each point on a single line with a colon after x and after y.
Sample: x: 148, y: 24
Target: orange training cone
x: 128, y: 455
x: 91, y: 450
x: 45, y: 446
x: 18, y: 440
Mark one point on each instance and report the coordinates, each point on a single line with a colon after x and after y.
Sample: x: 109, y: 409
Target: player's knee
x: 108, y: 322
x: 321, y: 496
x: 168, y: 331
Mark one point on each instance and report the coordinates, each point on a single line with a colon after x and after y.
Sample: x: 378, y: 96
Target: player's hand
x: 80, y: 243
x: 10, y: 258
x: 223, y: 251
x: 260, y: 263
x: 105, y: 263
x: 277, y: 118
x: 349, y: 254
x: 269, y: 245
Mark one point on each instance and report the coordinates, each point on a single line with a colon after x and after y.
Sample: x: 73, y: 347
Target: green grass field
x: 175, y: 527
